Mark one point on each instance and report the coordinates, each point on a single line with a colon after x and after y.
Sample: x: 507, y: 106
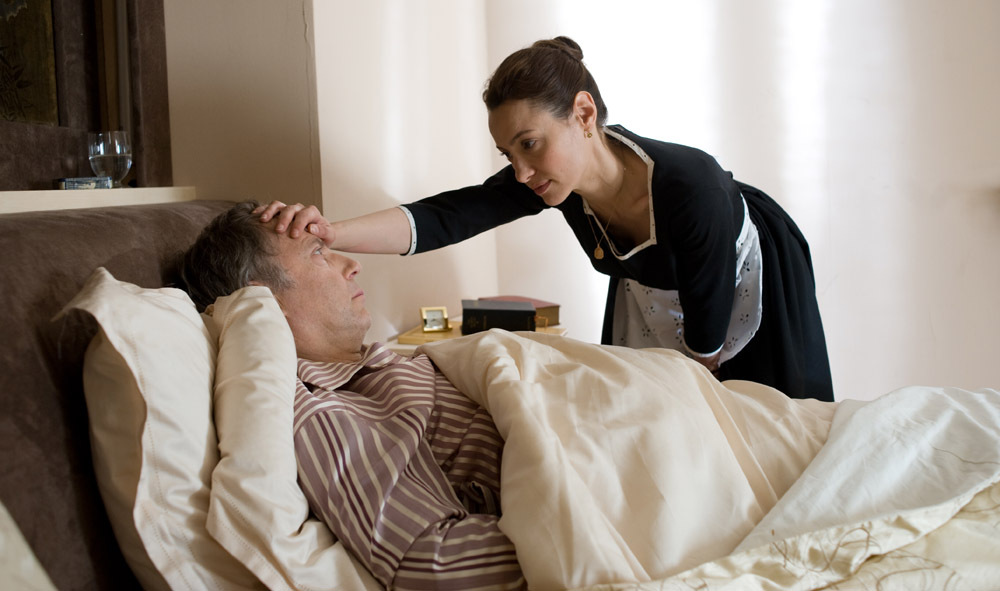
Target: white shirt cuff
x: 698, y: 355
x: 413, y: 231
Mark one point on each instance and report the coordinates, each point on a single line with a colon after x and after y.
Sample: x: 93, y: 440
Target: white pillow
x: 257, y: 510
x: 147, y: 380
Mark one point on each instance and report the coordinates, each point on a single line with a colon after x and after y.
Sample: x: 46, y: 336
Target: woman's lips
x: 540, y: 189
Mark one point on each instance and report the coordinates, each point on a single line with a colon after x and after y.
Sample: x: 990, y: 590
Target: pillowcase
x: 257, y: 510
x: 148, y: 380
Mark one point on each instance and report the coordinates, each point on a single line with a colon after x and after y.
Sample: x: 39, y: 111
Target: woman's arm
x: 382, y: 232
x: 441, y: 220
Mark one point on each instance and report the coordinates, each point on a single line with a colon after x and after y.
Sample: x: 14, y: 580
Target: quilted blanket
x: 637, y: 469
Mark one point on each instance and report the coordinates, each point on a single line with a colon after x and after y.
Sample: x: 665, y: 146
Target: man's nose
x: 353, y: 267
x: 350, y: 266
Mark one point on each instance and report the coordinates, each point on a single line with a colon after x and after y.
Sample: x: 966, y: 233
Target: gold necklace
x: 598, y: 251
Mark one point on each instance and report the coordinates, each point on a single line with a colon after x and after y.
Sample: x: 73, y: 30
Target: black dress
x: 697, y: 216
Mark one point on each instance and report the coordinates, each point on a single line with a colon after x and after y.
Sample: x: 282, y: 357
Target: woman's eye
x: 505, y: 155
x: 528, y: 144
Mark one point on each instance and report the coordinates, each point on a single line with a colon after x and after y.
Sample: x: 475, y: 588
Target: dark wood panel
x: 150, y: 107
x: 33, y: 155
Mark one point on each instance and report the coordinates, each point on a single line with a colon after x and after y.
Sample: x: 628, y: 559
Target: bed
x: 630, y: 469
x: 173, y: 430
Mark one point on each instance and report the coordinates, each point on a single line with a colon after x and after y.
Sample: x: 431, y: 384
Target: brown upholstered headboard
x: 46, y: 477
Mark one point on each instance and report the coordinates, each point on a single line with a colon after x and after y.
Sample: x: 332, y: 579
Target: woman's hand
x: 712, y: 363
x: 296, y: 219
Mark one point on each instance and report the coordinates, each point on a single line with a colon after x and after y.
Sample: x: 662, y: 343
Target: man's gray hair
x: 232, y: 251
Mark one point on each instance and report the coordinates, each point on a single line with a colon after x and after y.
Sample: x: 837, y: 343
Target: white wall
x: 874, y: 125
x: 399, y: 119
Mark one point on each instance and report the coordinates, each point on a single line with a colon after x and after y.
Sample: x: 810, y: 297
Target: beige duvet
x: 636, y: 469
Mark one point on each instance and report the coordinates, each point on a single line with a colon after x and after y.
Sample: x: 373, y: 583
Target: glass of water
x: 110, y: 154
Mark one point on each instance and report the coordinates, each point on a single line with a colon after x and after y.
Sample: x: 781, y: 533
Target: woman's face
x: 547, y: 152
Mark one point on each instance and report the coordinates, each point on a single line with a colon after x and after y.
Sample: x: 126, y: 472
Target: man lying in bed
x: 401, y: 466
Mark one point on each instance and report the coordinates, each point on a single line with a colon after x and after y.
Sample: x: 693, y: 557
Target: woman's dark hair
x: 549, y: 73
x: 231, y: 251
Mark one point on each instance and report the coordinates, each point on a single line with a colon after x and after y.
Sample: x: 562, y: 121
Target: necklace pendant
x: 598, y: 252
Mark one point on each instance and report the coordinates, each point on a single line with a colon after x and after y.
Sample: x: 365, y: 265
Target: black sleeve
x: 703, y: 233
x: 453, y: 216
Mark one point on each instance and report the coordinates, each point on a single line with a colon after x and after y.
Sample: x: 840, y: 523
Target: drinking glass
x: 110, y: 154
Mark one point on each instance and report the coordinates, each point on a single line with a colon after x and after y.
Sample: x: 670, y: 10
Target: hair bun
x: 550, y: 73
x: 570, y: 47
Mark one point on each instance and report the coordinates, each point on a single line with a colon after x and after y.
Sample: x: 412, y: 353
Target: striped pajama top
x: 405, y: 470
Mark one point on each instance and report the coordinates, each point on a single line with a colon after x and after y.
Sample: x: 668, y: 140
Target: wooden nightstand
x: 407, y: 342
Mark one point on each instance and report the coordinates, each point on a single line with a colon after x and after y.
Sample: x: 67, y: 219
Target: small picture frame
x: 435, y: 319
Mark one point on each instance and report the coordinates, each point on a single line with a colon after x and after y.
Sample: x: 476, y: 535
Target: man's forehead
x: 304, y: 242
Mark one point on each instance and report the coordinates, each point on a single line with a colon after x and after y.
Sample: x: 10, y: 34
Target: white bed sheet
x: 636, y: 469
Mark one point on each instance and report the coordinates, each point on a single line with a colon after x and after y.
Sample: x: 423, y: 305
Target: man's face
x: 325, y: 308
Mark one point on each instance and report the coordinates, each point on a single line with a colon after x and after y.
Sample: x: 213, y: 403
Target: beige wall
x: 874, y: 125
x: 242, y: 99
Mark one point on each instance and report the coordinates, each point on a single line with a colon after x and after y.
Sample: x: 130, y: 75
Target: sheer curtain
x: 870, y: 124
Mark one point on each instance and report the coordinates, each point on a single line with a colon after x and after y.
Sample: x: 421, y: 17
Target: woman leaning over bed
x: 698, y: 261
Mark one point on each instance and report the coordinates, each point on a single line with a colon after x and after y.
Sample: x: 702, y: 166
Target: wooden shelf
x: 47, y: 200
